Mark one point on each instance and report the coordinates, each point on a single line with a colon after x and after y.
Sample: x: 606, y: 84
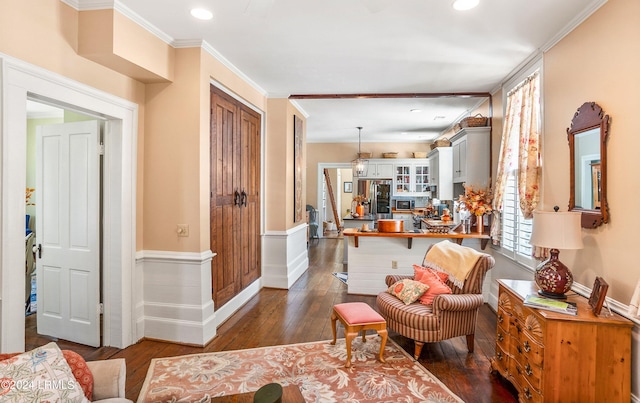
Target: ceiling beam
x: 394, y: 95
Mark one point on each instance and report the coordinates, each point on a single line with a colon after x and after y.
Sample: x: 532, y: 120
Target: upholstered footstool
x: 358, y: 317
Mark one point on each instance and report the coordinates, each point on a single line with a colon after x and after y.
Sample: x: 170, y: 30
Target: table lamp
x: 555, y: 230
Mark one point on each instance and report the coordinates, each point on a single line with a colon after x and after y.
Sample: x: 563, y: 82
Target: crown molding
x: 83, y: 5
x: 533, y: 57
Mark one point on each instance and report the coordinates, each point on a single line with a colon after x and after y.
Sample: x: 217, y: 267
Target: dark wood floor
x: 301, y: 314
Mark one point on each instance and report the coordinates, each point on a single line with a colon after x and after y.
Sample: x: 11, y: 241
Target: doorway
x: 63, y: 224
x: 23, y: 81
x: 343, y: 199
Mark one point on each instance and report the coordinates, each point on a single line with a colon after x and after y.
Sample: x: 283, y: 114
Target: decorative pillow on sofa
x: 407, y: 290
x: 436, y: 286
x: 39, y: 375
x: 80, y: 371
x: 418, y: 271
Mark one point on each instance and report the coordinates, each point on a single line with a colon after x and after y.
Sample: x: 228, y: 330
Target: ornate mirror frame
x: 590, y: 116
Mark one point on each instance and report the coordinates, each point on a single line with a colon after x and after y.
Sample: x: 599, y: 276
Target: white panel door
x: 68, y: 231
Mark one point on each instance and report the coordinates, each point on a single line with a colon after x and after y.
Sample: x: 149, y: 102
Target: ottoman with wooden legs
x: 358, y: 317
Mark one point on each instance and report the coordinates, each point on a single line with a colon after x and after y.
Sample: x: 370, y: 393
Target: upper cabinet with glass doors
x: 411, y: 178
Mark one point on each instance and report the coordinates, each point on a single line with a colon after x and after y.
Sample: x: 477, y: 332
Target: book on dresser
x: 535, y: 301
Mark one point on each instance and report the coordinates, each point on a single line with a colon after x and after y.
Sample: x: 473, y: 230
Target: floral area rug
x: 317, y: 368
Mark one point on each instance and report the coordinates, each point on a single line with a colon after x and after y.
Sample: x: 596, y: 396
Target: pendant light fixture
x: 359, y: 166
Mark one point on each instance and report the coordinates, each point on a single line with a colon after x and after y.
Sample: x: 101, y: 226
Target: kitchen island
x: 372, y: 255
x: 350, y: 221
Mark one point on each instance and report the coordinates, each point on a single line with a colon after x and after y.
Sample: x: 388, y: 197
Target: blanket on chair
x: 456, y: 260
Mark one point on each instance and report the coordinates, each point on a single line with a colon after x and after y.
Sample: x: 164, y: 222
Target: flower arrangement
x: 28, y: 194
x: 359, y: 199
x: 476, y: 201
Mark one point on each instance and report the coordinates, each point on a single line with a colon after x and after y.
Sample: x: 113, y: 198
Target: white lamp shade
x: 557, y: 230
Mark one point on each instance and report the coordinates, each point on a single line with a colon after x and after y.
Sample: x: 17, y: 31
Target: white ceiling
x: 287, y: 47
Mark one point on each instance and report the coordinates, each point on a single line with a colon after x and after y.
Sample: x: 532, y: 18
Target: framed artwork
x: 348, y: 187
x: 297, y: 169
x: 598, y: 294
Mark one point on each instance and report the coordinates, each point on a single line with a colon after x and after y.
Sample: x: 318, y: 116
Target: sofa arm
x: 109, y: 378
x: 392, y: 278
x: 457, y: 302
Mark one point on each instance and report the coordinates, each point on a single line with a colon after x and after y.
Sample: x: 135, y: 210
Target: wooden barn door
x: 235, y: 198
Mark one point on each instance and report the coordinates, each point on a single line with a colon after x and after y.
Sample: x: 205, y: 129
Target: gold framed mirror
x: 588, y: 164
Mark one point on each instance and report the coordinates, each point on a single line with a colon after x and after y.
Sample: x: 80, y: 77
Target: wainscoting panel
x: 285, y: 257
x: 177, y: 303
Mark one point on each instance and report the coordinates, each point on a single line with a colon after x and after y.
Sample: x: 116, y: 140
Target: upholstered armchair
x: 451, y: 315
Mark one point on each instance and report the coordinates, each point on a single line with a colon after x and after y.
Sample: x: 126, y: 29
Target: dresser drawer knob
x: 500, y: 319
x: 499, y: 355
x: 500, y: 337
x: 527, y: 370
x: 527, y: 393
x: 519, y: 349
x: 527, y: 346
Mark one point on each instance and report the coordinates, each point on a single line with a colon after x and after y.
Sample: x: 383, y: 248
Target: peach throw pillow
x: 436, y: 285
x: 418, y: 271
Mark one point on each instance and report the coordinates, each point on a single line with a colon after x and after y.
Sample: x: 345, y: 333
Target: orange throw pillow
x: 80, y: 371
x: 436, y: 286
x: 418, y: 271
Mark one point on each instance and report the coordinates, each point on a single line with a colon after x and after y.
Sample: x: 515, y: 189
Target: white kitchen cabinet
x: 412, y: 178
x: 406, y: 217
x: 472, y: 156
x: 379, y: 169
x: 441, y: 166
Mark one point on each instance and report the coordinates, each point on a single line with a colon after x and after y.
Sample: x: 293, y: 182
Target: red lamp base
x: 553, y: 277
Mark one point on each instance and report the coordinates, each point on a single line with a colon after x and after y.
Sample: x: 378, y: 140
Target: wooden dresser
x: 553, y: 357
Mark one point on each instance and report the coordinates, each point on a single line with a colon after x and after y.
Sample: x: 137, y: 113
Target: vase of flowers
x: 478, y: 203
x: 359, y: 207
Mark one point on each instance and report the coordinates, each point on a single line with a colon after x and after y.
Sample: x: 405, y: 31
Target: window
x: 516, y: 230
x: 519, y: 153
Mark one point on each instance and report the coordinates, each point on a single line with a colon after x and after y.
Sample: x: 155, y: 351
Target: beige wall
x: 599, y: 61
x: 45, y: 34
x: 279, y: 161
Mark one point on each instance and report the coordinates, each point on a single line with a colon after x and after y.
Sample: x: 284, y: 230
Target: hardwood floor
x: 301, y: 314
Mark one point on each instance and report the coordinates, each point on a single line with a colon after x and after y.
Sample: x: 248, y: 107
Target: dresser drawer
x: 502, y: 318
x: 528, y: 372
x: 529, y: 349
x: 502, y: 359
x: 503, y: 339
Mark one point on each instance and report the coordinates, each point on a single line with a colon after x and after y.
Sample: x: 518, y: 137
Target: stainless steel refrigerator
x: 378, y: 192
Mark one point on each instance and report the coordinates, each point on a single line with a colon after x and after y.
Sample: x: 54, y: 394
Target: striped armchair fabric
x: 452, y: 315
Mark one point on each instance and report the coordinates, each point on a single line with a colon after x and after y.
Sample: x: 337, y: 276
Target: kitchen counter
x: 373, y: 255
x: 457, y: 237
x: 366, y: 217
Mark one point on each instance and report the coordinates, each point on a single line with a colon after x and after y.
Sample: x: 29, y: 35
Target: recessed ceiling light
x: 465, y: 4
x: 415, y: 110
x: 202, y: 14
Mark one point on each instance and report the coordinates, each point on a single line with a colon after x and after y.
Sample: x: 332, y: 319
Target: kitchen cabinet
x: 406, y: 217
x: 379, y: 169
x: 471, y: 148
x: 441, y: 166
x: 554, y: 357
x: 412, y: 178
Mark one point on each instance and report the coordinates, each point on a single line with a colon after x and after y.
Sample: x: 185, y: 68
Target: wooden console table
x: 553, y: 357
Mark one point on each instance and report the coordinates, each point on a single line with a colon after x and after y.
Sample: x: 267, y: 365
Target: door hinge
x: 101, y: 308
x: 101, y: 149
